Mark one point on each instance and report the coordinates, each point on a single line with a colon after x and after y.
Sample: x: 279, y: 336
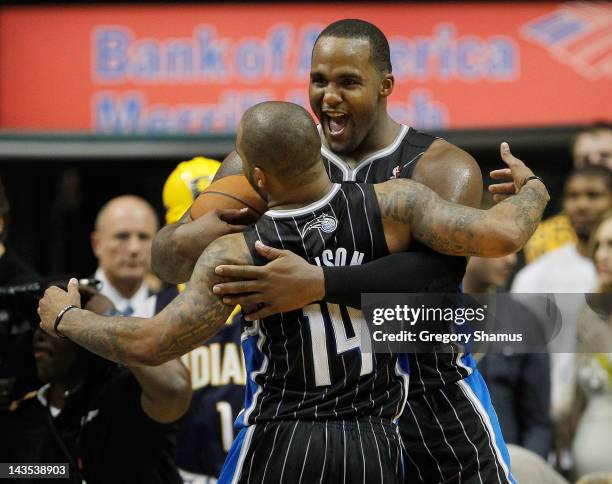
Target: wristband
x: 532, y: 177
x: 59, y: 319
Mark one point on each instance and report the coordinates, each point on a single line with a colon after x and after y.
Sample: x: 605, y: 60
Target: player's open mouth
x: 336, y: 123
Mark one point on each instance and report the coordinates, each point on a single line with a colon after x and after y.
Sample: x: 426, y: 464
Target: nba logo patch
x: 395, y: 173
x: 325, y: 223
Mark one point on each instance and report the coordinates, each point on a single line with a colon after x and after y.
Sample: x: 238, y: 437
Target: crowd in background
x: 554, y: 408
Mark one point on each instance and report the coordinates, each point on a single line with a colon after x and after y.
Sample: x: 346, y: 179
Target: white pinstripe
x: 243, y: 452
x: 300, y: 332
x: 365, y: 209
x: 377, y: 451
x: 414, y: 464
x: 484, y: 418
x: 305, y: 457
x: 425, y: 443
x: 444, y: 437
x: 263, y: 478
x: 344, y: 451
x: 362, y: 453
x: 324, y: 455
x: 287, y: 453
x: 348, y: 212
x: 282, y: 327
x: 388, y: 442
x: 264, y: 369
x: 464, y: 433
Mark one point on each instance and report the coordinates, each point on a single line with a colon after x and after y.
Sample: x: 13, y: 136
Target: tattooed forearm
x: 195, y: 315
x: 457, y: 230
x: 117, y: 338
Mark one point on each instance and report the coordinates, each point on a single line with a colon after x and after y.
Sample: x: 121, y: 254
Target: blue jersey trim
x: 479, y: 389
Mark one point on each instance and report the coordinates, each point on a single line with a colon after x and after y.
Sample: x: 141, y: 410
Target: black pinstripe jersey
x: 427, y: 370
x: 310, y: 364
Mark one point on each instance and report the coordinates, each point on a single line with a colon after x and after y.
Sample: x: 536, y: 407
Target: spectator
x: 12, y: 269
x: 568, y: 269
x: 121, y: 241
x: 587, y: 195
x: 519, y: 383
x: 111, y: 423
x: 206, y: 432
x: 592, y: 146
x: 17, y: 372
x: 591, y: 444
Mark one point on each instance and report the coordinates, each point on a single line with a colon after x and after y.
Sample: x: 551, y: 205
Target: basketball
x: 233, y: 191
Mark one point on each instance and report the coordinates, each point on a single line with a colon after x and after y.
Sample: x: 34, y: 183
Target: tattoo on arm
x: 458, y: 230
x: 195, y: 315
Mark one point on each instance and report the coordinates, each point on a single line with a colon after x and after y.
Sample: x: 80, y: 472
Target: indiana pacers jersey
x: 311, y: 364
x: 427, y: 370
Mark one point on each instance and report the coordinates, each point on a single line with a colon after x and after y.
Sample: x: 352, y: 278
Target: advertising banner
x: 196, y: 68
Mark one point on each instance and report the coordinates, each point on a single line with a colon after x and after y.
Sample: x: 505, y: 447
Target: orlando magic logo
x: 323, y: 222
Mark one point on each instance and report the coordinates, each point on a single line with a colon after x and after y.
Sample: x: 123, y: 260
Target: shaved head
x: 280, y: 138
x: 124, y: 205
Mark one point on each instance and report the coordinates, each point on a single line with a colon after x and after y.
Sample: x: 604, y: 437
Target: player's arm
x: 165, y: 389
x: 450, y: 172
x: 176, y: 247
x: 457, y: 230
x: 191, y: 318
x: 288, y: 282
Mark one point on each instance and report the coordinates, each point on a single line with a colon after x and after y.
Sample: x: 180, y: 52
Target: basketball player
x: 206, y: 431
x: 449, y: 427
x: 312, y: 398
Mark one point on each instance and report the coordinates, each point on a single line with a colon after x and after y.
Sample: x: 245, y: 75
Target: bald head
x: 121, y: 241
x: 279, y: 137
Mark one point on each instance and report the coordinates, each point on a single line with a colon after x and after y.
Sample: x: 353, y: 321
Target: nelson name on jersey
x: 309, y: 364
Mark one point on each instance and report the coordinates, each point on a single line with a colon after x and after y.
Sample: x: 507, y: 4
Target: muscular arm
x: 166, y: 390
x: 289, y: 283
x: 455, y: 176
x: 176, y: 247
x: 450, y: 172
x: 457, y: 230
x: 194, y: 316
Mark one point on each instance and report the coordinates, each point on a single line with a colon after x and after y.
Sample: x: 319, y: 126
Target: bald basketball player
x: 280, y: 148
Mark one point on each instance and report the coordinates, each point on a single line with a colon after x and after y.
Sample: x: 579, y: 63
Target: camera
x: 18, y: 320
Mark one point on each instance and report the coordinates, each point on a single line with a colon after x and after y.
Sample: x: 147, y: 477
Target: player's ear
x: 387, y: 84
x: 259, y: 177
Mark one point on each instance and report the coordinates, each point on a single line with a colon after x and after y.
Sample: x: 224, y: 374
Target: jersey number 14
x: 347, y: 325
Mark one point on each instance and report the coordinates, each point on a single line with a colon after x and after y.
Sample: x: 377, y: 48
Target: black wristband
x: 59, y: 319
x: 532, y: 177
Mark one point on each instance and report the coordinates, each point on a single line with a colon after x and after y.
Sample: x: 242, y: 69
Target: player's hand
x: 53, y: 301
x: 192, y: 238
x: 286, y: 283
x: 517, y: 171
